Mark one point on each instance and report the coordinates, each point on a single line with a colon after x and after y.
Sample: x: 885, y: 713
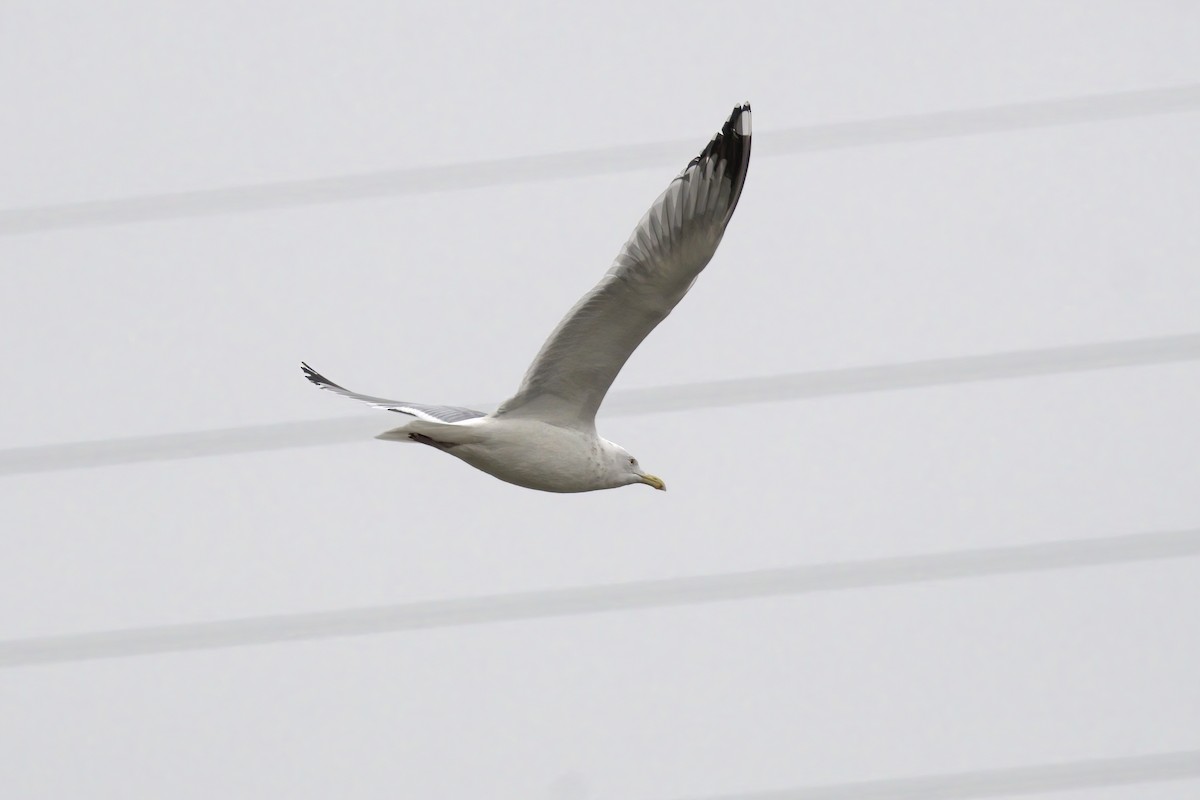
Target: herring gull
x: 544, y: 437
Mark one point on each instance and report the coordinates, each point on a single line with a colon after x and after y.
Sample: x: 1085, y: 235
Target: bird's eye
x: 633, y: 461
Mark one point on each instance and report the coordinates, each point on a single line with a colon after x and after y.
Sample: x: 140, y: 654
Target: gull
x: 544, y: 437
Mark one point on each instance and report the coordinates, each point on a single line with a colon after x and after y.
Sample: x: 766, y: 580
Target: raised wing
x: 420, y: 410
x: 654, y: 270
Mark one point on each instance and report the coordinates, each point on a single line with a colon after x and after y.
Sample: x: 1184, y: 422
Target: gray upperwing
x: 447, y: 414
x: 654, y: 270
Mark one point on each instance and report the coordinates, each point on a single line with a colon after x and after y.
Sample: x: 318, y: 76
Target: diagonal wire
x: 794, y: 386
x: 483, y: 610
x: 1004, y: 782
x: 602, y: 161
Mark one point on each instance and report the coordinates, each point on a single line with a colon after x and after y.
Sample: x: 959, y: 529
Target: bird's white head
x: 624, y: 469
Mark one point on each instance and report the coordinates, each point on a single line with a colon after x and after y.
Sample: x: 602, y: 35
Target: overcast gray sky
x: 1018, y: 239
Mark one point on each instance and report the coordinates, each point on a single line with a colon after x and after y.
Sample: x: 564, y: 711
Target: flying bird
x: 544, y: 437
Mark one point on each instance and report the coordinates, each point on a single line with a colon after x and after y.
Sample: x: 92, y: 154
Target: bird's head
x: 625, y: 470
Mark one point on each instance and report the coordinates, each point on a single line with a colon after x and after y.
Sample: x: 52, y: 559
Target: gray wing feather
x: 419, y: 410
x: 654, y: 270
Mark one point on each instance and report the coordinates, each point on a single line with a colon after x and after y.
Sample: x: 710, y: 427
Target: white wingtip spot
x: 743, y: 123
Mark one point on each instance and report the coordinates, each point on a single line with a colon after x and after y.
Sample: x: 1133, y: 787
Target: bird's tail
x: 437, y: 433
x: 400, y: 434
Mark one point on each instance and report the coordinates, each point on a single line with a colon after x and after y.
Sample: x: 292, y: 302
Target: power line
x: 579, y: 163
x: 490, y: 609
x: 715, y: 394
x: 1036, y: 778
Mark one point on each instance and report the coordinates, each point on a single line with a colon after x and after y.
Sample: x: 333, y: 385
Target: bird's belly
x: 546, y: 466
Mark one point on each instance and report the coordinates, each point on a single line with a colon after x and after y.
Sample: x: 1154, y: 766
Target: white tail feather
x: 448, y: 432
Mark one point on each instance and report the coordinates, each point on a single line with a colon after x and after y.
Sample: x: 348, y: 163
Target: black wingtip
x: 738, y: 123
x: 316, y: 378
x: 732, y: 142
x: 731, y: 145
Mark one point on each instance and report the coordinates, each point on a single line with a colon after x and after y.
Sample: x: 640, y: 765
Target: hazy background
x: 874, y: 255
